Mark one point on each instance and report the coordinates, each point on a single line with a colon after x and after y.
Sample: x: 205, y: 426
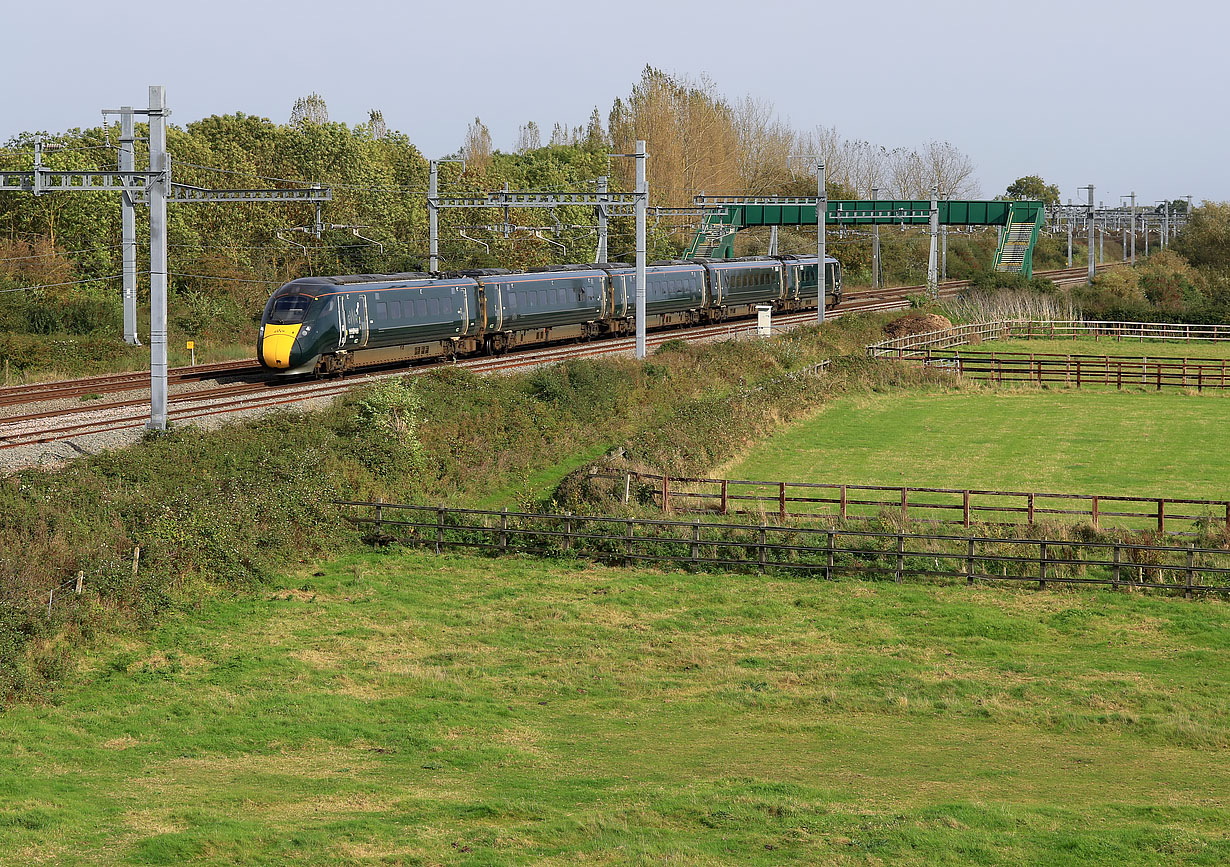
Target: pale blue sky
x: 1127, y: 95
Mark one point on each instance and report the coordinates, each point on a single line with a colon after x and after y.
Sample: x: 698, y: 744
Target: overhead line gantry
x: 155, y: 188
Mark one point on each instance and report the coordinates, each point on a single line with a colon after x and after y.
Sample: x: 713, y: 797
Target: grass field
x: 1147, y: 443
x: 1088, y: 346
x: 402, y: 708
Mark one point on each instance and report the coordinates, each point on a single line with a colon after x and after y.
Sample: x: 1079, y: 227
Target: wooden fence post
x: 439, y: 529
x: 725, y: 498
x: 567, y: 531
x: 1030, y: 509
x: 830, y: 537
x: 1115, y: 569
x: 627, y: 487
x: 760, y: 548
x: 666, y: 494
x: 628, y: 536
x: 843, y: 503
x: 51, y: 595
x: 1191, y: 558
x: 1042, y: 566
x: 80, y: 581
x: 969, y: 562
x: 696, y: 541
x: 379, y: 516
x: 905, y: 505
x: 900, y: 556
x: 1095, y: 512
x: 504, y: 530
x: 1161, y: 516
x: 136, y: 558
x: 781, y: 501
x: 965, y: 507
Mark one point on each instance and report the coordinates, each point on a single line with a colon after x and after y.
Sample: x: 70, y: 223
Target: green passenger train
x: 330, y: 325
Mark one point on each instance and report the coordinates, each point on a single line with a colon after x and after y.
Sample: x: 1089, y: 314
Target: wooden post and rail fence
x: 937, y: 349
x: 956, y: 506
x: 912, y: 345
x: 821, y: 551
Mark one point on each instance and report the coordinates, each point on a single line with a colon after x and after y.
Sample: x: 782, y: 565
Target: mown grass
x: 1089, y: 346
x: 1146, y: 443
x: 407, y: 708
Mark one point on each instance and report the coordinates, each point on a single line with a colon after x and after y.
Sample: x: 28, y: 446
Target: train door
x: 352, y: 316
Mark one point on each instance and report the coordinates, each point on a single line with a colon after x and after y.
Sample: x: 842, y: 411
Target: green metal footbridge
x: 1021, y: 221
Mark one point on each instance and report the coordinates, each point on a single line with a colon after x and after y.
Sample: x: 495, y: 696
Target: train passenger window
x: 543, y: 301
x: 511, y: 297
x: 382, y: 310
x: 433, y: 306
x: 420, y: 308
x: 395, y: 310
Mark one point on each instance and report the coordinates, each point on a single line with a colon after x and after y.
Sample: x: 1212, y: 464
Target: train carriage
x: 737, y: 286
x: 674, y: 294
x: 799, y: 274
x: 560, y: 304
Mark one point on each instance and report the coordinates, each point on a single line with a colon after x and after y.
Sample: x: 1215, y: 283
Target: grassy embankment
x: 407, y: 708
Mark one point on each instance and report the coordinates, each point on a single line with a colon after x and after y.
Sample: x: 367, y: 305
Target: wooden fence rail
x: 819, y: 551
x: 963, y: 507
x: 1024, y: 329
x: 1145, y: 372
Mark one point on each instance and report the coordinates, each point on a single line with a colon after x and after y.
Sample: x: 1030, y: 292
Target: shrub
x: 382, y: 423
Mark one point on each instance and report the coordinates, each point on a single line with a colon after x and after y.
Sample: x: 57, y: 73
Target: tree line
x: 225, y: 259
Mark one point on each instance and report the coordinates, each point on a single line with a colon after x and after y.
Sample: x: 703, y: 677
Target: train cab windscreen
x: 289, y: 309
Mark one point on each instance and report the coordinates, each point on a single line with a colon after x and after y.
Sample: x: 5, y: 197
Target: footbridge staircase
x: 1017, y: 239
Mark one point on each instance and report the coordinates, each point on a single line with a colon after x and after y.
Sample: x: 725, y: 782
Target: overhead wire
x: 61, y: 253
x: 329, y: 184
x: 231, y: 279
x: 69, y: 283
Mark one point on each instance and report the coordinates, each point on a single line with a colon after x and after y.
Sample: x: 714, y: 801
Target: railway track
x: 59, y: 424
x: 104, y: 383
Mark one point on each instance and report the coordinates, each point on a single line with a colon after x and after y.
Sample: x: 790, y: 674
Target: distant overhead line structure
x: 1022, y: 221
x: 154, y: 188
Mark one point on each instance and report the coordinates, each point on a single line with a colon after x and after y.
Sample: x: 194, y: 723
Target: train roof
x: 354, y: 279
x: 348, y: 279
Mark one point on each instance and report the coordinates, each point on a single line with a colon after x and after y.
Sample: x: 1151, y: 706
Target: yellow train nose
x: 277, y: 343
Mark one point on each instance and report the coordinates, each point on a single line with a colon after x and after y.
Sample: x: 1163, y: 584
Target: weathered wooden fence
x: 956, y: 506
x: 1005, y: 368
x: 1023, y: 329
x: 819, y: 551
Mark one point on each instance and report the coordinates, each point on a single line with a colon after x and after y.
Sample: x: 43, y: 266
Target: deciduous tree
x: 1032, y: 188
